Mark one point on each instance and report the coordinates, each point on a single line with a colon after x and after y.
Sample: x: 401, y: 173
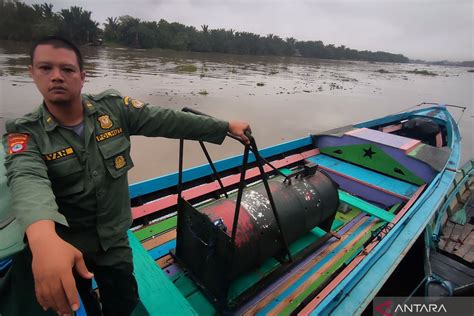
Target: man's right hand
x: 53, y: 261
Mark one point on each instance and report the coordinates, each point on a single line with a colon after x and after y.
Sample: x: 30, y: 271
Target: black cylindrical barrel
x: 302, y: 205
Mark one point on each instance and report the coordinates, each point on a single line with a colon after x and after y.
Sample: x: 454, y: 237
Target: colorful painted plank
x: 171, y: 200
x: 366, y: 207
x: 392, y: 140
x: 396, y: 187
x: 152, y: 280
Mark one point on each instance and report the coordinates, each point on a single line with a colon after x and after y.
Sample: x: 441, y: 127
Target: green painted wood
x: 378, y: 160
x: 351, y: 253
x: 347, y: 217
x: 366, y: 206
x: 200, y: 303
x: 157, y: 293
x: 155, y: 229
x: 185, y: 285
x: 286, y: 171
x: 245, y: 282
x: 248, y: 280
x: 394, y: 208
x: 336, y: 224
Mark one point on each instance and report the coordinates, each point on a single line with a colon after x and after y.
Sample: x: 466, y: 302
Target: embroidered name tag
x: 109, y: 134
x: 59, y: 154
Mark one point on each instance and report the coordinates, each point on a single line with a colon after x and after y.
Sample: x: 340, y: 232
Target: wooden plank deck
x: 457, y: 240
x: 304, y: 281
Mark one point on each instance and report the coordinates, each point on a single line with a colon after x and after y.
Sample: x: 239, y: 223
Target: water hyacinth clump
x: 187, y: 68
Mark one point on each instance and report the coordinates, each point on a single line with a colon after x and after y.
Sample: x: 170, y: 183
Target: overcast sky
x: 419, y: 29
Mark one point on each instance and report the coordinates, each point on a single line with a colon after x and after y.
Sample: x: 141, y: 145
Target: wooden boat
x: 392, y: 172
x: 391, y: 175
x: 451, y: 249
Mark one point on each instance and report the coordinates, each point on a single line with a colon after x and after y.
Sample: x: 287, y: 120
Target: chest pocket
x: 116, y: 153
x: 67, y: 176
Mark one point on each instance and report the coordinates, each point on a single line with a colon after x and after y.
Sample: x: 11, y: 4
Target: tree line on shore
x: 21, y: 22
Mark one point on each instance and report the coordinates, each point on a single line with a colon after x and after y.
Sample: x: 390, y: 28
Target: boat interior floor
x: 457, y: 241
x: 460, y: 276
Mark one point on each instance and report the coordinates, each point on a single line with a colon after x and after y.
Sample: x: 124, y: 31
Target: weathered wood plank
x: 454, y: 238
x: 165, y: 261
x: 157, y: 228
x: 159, y: 240
x: 446, y: 233
x: 303, y: 270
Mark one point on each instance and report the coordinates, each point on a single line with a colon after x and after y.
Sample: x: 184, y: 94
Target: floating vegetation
x: 334, y: 85
x: 422, y: 72
x: 383, y: 71
x: 187, y: 68
x: 203, y: 92
x: 260, y: 84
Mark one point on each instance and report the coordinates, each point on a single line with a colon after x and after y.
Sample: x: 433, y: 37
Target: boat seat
x: 405, y: 144
x: 370, y: 185
x: 396, y: 156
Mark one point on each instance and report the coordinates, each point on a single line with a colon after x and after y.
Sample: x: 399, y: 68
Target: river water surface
x: 281, y: 98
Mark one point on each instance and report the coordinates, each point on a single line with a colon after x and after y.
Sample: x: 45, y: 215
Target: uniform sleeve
x: 147, y: 120
x: 32, y: 198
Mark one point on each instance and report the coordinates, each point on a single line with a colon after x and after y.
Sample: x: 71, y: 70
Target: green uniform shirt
x: 82, y: 182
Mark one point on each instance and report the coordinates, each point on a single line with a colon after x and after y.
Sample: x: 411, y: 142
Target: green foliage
x: 76, y: 24
x: 422, y: 72
x: 23, y: 22
x: 187, y: 68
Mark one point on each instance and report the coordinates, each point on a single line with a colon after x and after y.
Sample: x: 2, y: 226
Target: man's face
x: 57, y: 75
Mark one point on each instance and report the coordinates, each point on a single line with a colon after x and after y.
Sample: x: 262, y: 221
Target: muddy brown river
x: 282, y: 98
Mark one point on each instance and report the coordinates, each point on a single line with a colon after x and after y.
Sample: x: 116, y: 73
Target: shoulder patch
x: 16, y: 125
x: 17, y: 142
x: 137, y: 104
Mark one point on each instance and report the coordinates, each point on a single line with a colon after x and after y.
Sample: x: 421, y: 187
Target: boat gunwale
x: 440, y: 184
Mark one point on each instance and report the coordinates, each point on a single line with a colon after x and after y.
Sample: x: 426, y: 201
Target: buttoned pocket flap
x: 66, y: 177
x: 116, y: 155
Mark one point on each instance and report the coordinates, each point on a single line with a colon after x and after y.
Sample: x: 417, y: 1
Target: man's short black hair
x: 57, y: 42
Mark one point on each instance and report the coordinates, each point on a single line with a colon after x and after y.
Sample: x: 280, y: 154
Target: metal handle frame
x: 260, y: 161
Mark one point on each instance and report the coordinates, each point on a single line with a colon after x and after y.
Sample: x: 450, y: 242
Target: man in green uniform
x: 67, y: 169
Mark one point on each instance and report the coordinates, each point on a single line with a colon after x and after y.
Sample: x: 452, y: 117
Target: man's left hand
x: 238, y: 129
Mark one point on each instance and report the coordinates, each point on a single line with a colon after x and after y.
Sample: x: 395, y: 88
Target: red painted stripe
x: 191, y: 193
x: 407, y: 206
x: 410, y: 145
x: 392, y: 128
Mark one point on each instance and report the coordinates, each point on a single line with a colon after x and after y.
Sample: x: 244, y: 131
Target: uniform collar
x: 50, y: 122
x: 89, y: 105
